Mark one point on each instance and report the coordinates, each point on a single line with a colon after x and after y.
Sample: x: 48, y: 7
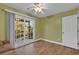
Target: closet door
x: 29, y: 30
x: 19, y: 31
x: 24, y: 32
x: 69, y: 31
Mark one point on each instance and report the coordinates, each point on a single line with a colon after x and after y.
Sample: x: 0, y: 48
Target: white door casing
x: 69, y: 31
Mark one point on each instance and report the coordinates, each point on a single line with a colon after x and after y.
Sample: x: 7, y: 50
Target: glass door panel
x: 28, y: 30
x: 19, y: 28
x: 23, y: 29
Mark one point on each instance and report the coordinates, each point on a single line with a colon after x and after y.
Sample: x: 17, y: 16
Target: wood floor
x: 42, y: 48
x: 5, y: 47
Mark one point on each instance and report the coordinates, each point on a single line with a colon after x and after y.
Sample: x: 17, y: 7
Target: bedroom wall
x: 3, y: 31
x: 48, y: 27
x: 52, y: 25
x: 2, y: 26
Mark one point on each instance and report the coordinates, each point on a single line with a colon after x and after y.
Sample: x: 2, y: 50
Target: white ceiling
x: 51, y: 8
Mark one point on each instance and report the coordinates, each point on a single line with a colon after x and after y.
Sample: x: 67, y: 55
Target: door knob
x: 62, y: 32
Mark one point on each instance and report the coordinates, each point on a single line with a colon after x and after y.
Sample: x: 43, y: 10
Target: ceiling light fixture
x: 38, y: 8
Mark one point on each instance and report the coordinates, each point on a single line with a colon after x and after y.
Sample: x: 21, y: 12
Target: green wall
x: 3, y: 31
x: 52, y: 26
x: 2, y: 26
x: 38, y: 28
x: 49, y: 27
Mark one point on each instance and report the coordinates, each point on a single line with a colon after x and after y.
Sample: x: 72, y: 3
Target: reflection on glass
x: 19, y: 27
x: 23, y: 29
x: 28, y: 30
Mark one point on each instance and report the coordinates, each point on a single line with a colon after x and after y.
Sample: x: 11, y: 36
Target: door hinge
x: 77, y: 17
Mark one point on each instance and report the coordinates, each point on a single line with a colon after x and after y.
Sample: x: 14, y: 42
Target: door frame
x: 28, y: 19
x: 16, y: 13
x: 62, y: 31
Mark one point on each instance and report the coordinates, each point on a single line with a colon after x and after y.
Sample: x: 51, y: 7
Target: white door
x: 69, y: 31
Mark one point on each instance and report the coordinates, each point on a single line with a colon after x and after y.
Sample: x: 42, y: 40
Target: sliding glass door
x: 24, y: 30
x: 28, y: 30
x: 20, y: 29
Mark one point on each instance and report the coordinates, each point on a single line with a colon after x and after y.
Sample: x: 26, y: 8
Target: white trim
x: 16, y: 46
x: 52, y: 41
x: 34, y: 24
x: 7, y: 10
x: 59, y: 43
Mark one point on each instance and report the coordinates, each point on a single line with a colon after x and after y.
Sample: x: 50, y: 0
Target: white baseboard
x: 59, y: 43
x: 52, y: 41
x: 36, y: 40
